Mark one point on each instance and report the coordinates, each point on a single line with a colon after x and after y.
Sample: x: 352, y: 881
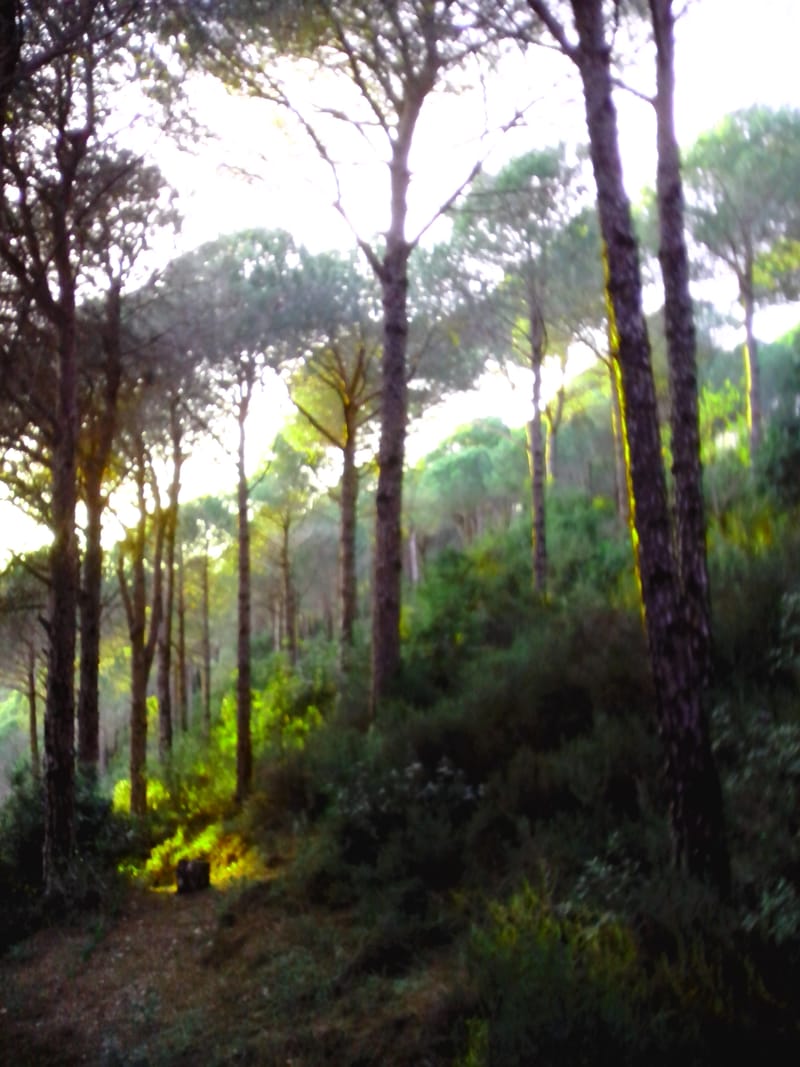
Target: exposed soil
x: 221, y: 977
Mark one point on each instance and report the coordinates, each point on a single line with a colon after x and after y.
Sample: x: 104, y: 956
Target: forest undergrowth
x: 481, y: 878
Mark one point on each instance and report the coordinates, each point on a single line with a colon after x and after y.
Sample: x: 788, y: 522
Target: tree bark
x: 681, y: 351
x: 752, y: 369
x: 348, y: 504
x: 244, y: 746
x: 206, y: 647
x: 393, y: 275
x: 95, y: 464
x: 90, y: 611
x: 143, y: 643
x: 536, y: 453
x: 692, y: 781
x: 59, y: 761
x: 181, y: 673
x: 289, y: 600
x: 33, y: 726
x: 391, y: 458
x: 170, y: 520
x: 554, y: 420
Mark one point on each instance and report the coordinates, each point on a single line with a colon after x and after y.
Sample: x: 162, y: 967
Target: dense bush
x: 559, y: 982
x: 102, y: 838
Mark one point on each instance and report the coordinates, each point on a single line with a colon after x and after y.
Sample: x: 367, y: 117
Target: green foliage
x: 590, y: 552
x: 741, y: 181
x: 555, y: 985
x: 752, y: 562
x: 468, y: 601
x: 102, y: 837
x: 759, y: 757
x: 778, y: 460
x: 564, y: 982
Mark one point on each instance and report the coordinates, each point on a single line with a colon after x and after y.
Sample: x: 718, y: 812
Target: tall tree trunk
x: 348, y: 504
x: 554, y: 420
x: 142, y: 642
x: 752, y: 368
x: 289, y: 600
x: 536, y: 453
x: 181, y: 673
x: 170, y: 519
x: 391, y: 458
x: 692, y: 780
x: 33, y: 726
x: 392, y: 273
x: 206, y: 647
x: 59, y: 734
x: 681, y: 350
x: 90, y: 611
x: 244, y: 745
x: 621, y: 494
x: 95, y: 464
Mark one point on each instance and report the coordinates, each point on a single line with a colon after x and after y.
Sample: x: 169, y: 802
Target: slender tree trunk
x: 536, y: 455
x: 681, y: 350
x: 164, y: 672
x: 692, y: 780
x: 348, y: 504
x: 554, y: 420
x: 244, y: 747
x: 393, y: 275
x: 33, y: 726
x: 59, y: 734
x: 752, y: 368
x: 143, y: 644
x: 413, y: 558
x: 206, y: 646
x: 391, y: 457
x: 95, y: 465
x: 181, y: 686
x: 90, y: 611
x: 289, y: 601
x: 621, y: 494
x: 138, y: 753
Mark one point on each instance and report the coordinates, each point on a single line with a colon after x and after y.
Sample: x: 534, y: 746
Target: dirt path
x: 97, y: 991
x: 216, y: 978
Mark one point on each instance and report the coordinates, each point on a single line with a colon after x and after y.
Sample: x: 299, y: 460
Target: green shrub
x: 556, y: 985
x: 102, y: 838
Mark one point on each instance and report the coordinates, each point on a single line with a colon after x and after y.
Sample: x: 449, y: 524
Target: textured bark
x: 348, y: 504
x: 181, y: 670
x: 681, y: 350
x: 289, y: 598
x: 95, y: 462
x: 554, y: 419
x: 752, y: 369
x: 692, y: 780
x: 536, y: 452
x: 59, y: 736
x: 206, y: 648
x: 391, y: 457
x: 170, y: 523
x: 621, y: 494
x: 244, y: 745
x: 90, y: 622
x: 142, y: 641
x: 33, y: 726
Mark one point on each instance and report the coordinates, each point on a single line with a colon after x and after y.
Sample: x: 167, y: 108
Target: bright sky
x: 730, y: 54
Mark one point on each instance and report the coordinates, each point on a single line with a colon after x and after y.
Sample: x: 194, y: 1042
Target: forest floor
x: 223, y: 977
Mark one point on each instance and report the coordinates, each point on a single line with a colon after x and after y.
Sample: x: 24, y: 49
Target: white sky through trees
x: 730, y: 54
